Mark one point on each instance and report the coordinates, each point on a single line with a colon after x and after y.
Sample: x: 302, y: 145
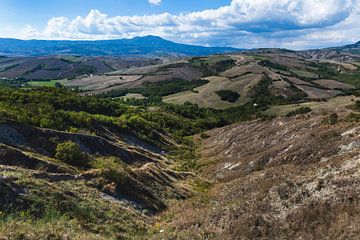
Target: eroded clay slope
x: 288, y: 178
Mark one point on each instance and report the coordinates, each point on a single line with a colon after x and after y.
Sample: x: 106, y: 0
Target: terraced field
x: 101, y: 82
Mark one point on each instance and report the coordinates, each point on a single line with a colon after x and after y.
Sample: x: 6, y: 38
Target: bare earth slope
x: 289, y: 178
x: 114, y: 197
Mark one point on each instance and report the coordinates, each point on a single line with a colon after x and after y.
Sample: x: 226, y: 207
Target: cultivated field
x: 101, y: 82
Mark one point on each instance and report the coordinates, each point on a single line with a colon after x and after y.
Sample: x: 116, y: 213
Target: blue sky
x: 294, y: 24
x: 38, y: 12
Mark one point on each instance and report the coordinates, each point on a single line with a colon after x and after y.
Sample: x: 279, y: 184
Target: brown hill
x: 288, y: 178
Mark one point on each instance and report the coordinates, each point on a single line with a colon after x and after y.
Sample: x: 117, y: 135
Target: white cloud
x: 155, y: 2
x: 243, y: 23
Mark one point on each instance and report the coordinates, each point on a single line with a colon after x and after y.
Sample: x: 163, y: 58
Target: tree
x: 71, y: 153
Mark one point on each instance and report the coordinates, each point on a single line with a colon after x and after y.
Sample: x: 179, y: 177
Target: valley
x: 251, y: 144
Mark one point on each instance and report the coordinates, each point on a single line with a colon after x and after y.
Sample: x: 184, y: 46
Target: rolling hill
x: 140, y: 46
x: 262, y: 144
x: 349, y: 52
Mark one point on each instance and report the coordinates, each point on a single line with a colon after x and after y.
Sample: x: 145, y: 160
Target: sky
x: 293, y: 24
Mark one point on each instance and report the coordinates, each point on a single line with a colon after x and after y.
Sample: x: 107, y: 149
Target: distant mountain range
x: 140, y: 46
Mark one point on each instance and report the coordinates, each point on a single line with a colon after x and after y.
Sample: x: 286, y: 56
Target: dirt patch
x: 332, y: 84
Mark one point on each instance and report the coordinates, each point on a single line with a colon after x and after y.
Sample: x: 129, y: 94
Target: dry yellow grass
x: 206, y: 96
x: 346, y: 65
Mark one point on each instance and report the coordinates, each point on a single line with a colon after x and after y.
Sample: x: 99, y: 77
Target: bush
x: 227, y: 95
x: 204, y: 136
x: 70, y: 153
x: 302, y: 110
x: 333, y: 118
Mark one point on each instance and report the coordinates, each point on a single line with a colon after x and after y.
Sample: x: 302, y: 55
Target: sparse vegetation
x: 212, y: 65
x: 301, y: 110
x: 333, y: 118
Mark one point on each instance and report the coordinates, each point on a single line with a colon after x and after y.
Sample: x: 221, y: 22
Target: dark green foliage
x: 58, y: 85
x: 333, y: 118
x: 302, y: 110
x: 70, y: 153
x: 85, y: 70
x: 267, y: 63
x: 210, y: 69
x: 11, y: 82
x: 61, y: 109
x: 297, y: 95
x: 263, y: 97
x: 227, y: 95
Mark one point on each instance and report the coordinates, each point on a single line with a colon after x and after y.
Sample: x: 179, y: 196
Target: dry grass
x: 295, y: 80
x: 316, y: 93
x: 337, y: 104
x: 205, y: 96
x: 346, y: 65
x: 284, y: 179
x: 101, y: 82
x: 241, y: 70
x: 332, y: 84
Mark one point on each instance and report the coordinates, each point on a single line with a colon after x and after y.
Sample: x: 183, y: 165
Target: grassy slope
x: 50, y: 83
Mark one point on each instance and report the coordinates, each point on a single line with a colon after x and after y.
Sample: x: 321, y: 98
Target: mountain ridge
x: 142, y: 46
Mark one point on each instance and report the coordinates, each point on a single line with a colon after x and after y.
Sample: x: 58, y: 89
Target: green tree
x: 71, y: 153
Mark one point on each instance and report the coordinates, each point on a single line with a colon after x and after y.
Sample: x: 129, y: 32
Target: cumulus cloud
x: 155, y: 2
x: 243, y: 23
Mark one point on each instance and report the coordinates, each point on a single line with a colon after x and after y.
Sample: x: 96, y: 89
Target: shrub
x: 70, y: 153
x: 333, y: 118
x: 227, y: 95
x: 302, y: 110
x: 204, y: 136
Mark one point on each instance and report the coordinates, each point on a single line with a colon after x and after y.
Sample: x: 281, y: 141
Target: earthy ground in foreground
x: 288, y: 178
